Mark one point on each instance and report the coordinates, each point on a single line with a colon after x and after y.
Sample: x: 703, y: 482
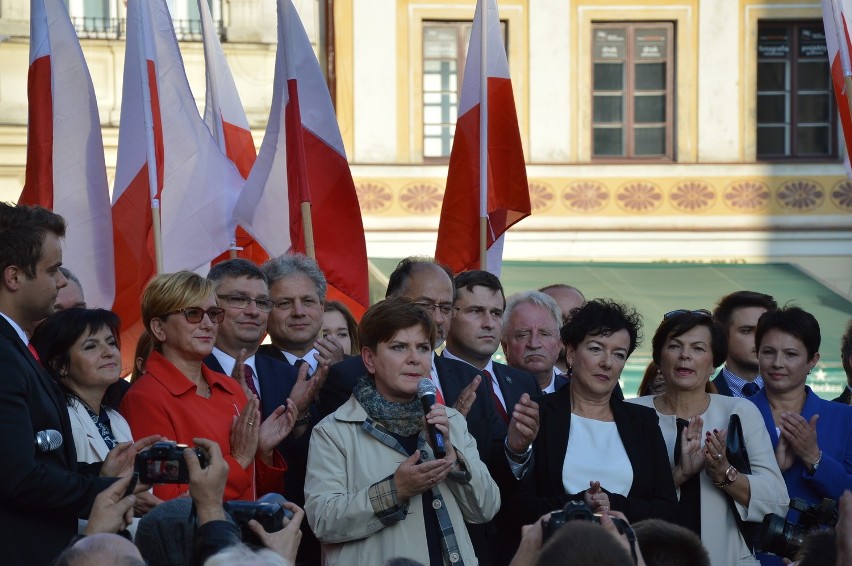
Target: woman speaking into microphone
x: 376, y: 488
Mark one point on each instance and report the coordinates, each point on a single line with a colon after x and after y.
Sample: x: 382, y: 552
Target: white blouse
x: 595, y: 453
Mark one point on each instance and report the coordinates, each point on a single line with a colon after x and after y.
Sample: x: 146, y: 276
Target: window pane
x: 440, y: 42
x: 772, y: 140
x: 813, y: 140
x: 432, y: 147
x: 813, y: 108
x: 609, y: 76
x: 651, y: 43
x: 771, y: 108
x: 609, y: 109
x: 773, y: 42
x: 608, y: 142
x: 650, y: 141
x: 651, y: 76
x: 649, y: 109
x: 772, y: 75
x: 434, y: 115
x: 813, y: 75
x: 609, y: 43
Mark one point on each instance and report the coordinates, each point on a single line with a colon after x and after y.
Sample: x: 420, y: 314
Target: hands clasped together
x: 414, y: 477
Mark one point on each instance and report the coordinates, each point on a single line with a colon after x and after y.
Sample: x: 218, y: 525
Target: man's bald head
x: 101, y: 549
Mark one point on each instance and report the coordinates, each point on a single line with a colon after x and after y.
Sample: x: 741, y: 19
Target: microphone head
x: 425, y: 387
x: 48, y: 440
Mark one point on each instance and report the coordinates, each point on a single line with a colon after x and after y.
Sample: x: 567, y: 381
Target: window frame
x: 793, y: 26
x: 629, y: 90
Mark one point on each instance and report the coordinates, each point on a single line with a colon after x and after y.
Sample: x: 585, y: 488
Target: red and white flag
x: 226, y: 119
x: 508, y: 199
x: 302, y: 160
x: 162, y: 134
x: 835, y: 14
x: 65, y: 154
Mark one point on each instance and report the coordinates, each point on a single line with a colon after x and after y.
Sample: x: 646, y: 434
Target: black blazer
x: 513, y: 383
x: 653, y: 490
x: 845, y: 396
x: 722, y: 386
x: 41, y: 493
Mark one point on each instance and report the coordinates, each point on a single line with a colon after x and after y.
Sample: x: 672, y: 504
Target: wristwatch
x: 731, y: 475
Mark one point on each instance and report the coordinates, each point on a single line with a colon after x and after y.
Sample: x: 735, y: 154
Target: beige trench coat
x: 344, y: 461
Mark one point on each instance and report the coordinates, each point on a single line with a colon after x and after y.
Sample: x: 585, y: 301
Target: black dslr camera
x: 576, y: 511
x: 783, y: 538
x: 268, y: 510
x: 163, y: 462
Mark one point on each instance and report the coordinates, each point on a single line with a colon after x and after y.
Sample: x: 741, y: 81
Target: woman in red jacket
x: 180, y: 398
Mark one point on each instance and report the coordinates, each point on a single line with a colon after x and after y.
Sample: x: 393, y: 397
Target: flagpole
x: 308, y: 227
x: 842, y: 47
x: 483, y: 135
x: 150, y: 151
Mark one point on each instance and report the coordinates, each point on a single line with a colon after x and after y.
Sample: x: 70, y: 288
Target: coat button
x: 454, y: 557
x: 436, y: 504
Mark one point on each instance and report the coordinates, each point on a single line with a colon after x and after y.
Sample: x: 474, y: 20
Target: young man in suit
x: 531, y: 338
x: 738, y: 314
x: 41, y: 491
x: 846, y: 360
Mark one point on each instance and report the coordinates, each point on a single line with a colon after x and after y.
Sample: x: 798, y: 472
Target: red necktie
x: 438, y: 397
x: 33, y: 352
x: 498, y: 406
x: 248, y: 375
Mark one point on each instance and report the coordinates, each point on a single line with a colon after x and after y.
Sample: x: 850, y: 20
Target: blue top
x: 834, y: 436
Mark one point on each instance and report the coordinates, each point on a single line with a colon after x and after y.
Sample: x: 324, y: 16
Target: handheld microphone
x: 426, y: 394
x: 48, y: 440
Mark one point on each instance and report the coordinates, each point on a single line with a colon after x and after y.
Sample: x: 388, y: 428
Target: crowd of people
x: 263, y: 424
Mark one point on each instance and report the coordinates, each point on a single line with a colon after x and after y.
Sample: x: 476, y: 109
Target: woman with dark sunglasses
x: 687, y: 347
x: 181, y: 399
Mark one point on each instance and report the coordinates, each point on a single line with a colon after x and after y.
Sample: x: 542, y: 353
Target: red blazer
x: 163, y: 401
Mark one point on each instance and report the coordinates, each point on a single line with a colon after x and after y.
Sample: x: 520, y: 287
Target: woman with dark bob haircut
x: 590, y: 446
x: 811, y: 437
x: 376, y: 489
x: 687, y: 347
x: 80, y: 350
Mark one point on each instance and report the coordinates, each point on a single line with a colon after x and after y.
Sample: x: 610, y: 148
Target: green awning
x: 657, y: 288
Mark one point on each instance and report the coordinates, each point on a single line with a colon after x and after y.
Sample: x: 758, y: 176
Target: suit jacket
x: 513, y: 383
x: 652, y: 493
x: 560, y: 381
x: 41, y: 493
x: 845, y: 397
x: 722, y: 386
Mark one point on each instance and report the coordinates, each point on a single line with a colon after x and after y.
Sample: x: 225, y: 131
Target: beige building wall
x: 714, y: 203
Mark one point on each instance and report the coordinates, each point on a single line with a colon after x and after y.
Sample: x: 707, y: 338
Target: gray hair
x: 536, y: 298
x: 70, y: 276
x: 287, y: 264
x: 242, y: 554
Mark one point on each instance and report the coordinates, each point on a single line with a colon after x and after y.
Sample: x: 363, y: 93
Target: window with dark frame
x: 796, y: 112
x: 444, y: 53
x: 632, y: 91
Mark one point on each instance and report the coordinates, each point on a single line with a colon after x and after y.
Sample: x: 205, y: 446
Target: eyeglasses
x: 195, y: 315
x: 700, y: 312
x: 242, y: 302
x: 446, y: 309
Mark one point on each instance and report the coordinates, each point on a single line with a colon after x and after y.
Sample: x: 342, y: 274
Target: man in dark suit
x: 531, y: 338
x: 738, y: 314
x: 242, y: 291
x: 473, y: 338
x: 846, y: 360
x: 297, y: 287
x: 41, y: 491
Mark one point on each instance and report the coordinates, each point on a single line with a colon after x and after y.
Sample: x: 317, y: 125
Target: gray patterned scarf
x: 403, y: 419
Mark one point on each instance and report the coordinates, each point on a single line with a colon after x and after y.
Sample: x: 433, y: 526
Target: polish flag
x: 226, y: 119
x: 835, y: 15
x: 508, y: 199
x: 165, y: 155
x: 302, y: 161
x: 65, y: 168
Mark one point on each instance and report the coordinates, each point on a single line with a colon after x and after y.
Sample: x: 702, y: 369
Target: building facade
x: 692, y: 131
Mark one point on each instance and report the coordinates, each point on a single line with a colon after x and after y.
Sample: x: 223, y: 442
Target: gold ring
x: 251, y: 423
x: 718, y: 456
